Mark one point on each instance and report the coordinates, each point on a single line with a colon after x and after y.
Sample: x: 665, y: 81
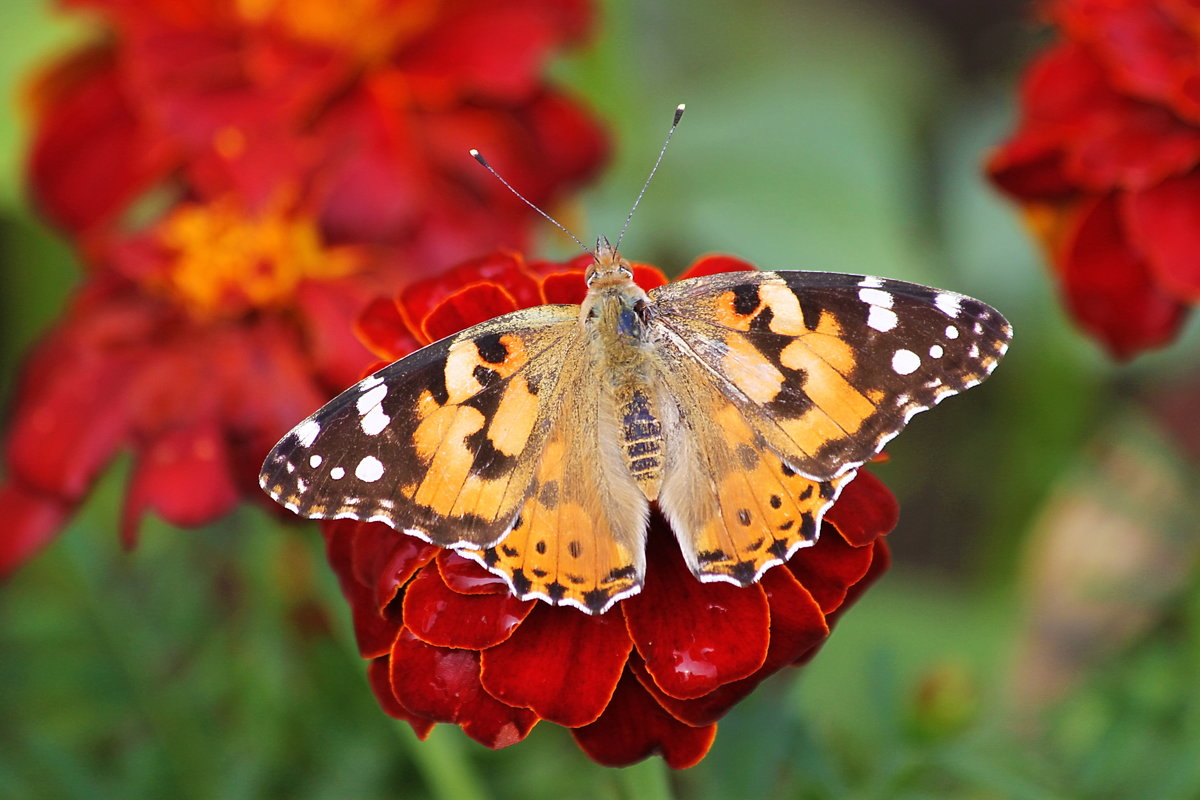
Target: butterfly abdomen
x: 641, y: 440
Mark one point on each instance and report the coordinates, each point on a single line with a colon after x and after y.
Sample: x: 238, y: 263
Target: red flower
x: 240, y: 179
x: 448, y: 643
x: 1106, y: 164
x: 366, y: 110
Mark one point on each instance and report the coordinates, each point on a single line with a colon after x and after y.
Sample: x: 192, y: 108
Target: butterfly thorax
x: 615, y: 316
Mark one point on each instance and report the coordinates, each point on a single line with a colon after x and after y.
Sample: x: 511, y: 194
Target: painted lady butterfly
x: 740, y: 404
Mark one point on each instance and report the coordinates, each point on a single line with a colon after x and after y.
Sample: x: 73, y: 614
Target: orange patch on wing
x: 515, y: 416
x: 786, y: 315
x: 727, y: 315
x: 441, y: 439
x: 750, y: 370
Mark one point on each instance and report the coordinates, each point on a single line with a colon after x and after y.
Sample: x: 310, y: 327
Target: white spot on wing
x: 936, y: 351
x: 905, y: 362
x: 315, y: 460
x: 374, y: 420
x: 951, y: 332
x: 306, y: 432
x: 371, y: 398
x: 950, y: 304
x: 337, y: 473
x: 876, y: 297
x: 881, y: 319
x: 368, y: 383
x: 370, y: 469
x: 871, y: 282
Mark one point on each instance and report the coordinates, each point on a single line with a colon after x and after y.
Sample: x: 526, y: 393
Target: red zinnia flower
x: 1106, y: 164
x: 449, y: 643
x: 240, y: 179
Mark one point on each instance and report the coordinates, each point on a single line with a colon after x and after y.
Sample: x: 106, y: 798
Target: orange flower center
x: 371, y: 28
x: 224, y: 262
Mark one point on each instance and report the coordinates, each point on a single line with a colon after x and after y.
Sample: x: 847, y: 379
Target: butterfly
x: 738, y: 404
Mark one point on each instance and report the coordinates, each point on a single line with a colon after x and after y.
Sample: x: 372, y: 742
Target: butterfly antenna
x: 674, y: 124
x: 475, y: 154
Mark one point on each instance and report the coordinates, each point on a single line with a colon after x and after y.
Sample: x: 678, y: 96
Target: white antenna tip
x: 679, y: 112
x: 474, y: 153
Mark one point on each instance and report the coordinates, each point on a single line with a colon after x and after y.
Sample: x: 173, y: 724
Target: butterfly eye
x: 642, y: 309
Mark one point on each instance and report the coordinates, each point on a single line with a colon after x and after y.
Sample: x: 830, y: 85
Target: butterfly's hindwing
x: 443, y: 443
x: 827, y: 367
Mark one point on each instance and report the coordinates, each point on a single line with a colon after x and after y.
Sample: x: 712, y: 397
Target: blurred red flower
x: 240, y: 179
x: 447, y: 642
x: 1106, y: 165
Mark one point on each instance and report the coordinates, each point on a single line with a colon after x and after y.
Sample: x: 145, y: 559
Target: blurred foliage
x: 843, y: 136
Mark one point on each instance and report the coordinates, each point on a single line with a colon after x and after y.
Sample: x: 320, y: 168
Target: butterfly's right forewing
x: 442, y: 444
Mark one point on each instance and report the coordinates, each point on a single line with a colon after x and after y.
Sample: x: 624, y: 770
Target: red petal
x: 715, y: 265
x: 381, y: 328
x: 31, y: 520
x: 561, y: 663
x: 327, y: 310
x: 443, y: 685
x: 694, y: 636
x: 1164, y: 222
x: 91, y: 155
x: 634, y: 727
x: 374, y: 632
x: 1109, y: 288
x: 565, y: 287
x: 797, y: 627
x: 647, y: 277
x: 379, y: 679
x: 470, y: 306
x: 503, y: 269
x: 881, y: 559
x: 465, y: 576
x: 865, y: 510
x: 830, y: 567
x: 444, y: 618
x: 184, y: 476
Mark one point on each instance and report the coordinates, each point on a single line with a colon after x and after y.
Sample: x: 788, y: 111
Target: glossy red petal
x: 830, y: 567
x: 374, y: 630
x: 562, y: 664
x: 694, y: 636
x: 443, y: 685
x: 1164, y: 226
x: 715, y: 265
x: 865, y: 510
x: 465, y: 576
x: 635, y: 726
x: 184, y: 476
x: 380, y: 680
x: 31, y: 520
x: 470, y: 306
x: 1109, y: 288
x: 797, y: 627
x: 444, y: 618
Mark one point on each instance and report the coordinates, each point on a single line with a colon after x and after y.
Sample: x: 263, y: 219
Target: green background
x: 823, y: 135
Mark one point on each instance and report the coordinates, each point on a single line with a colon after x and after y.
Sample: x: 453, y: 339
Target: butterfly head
x: 615, y: 305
